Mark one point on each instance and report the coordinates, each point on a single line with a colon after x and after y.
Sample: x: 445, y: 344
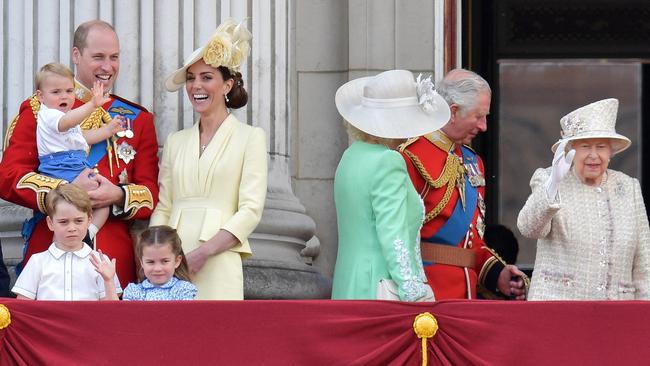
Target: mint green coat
x: 379, y: 217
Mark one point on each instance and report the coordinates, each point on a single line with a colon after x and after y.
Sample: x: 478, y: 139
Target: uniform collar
x: 82, y: 93
x: 81, y: 253
x: 148, y: 285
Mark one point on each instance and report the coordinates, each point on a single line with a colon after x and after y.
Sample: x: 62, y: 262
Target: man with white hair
x: 449, y: 176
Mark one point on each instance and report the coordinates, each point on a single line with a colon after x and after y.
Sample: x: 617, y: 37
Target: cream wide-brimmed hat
x: 228, y: 47
x: 593, y: 121
x: 392, y: 105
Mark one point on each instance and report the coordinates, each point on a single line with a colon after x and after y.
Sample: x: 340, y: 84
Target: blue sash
x: 458, y: 223
x: 118, y: 107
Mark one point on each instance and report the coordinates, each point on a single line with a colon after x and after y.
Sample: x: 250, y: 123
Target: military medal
x: 476, y: 179
x: 126, y: 132
x: 481, y: 205
x: 480, y: 226
x: 129, y: 131
x: 480, y: 223
x: 126, y: 152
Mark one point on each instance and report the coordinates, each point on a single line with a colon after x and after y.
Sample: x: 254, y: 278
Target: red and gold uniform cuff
x: 41, y: 185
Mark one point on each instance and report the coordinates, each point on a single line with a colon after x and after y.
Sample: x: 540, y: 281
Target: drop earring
x: 225, y: 96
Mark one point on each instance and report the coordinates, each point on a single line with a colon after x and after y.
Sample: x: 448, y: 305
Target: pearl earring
x: 225, y: 96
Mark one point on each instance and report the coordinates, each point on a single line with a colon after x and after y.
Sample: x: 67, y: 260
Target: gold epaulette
x: 442, y: 141
x: 137, y: 197
x: 35, y: 104
x: 40, y: 184
x: 95, y: 120
x: 404, y: 145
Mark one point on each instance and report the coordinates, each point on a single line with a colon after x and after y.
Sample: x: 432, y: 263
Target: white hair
x: 462, y: 87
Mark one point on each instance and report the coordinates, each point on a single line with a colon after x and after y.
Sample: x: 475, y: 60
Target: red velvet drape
x: 323, y: 333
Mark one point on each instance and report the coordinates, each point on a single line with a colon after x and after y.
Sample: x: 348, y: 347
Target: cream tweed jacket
x: 593, y: 242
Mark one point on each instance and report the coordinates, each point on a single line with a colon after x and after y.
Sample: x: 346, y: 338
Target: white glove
x: 561, y: 165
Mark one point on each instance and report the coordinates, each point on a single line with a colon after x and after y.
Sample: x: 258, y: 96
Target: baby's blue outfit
x: 64, y: 164
x: 174, y: 289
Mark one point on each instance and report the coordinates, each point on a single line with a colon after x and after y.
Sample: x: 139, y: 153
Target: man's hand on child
x: 99, y: 98
x: 106, y: 194
x: 103, y: 266
x: 86, y: 181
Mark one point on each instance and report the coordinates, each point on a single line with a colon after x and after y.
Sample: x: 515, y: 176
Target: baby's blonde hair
x: 53, y: 68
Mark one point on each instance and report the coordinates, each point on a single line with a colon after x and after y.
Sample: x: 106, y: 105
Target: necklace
x: 203, y: 147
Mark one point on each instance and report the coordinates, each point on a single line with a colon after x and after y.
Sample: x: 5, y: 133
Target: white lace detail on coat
x: 418, y: 251
x: 413, y: 286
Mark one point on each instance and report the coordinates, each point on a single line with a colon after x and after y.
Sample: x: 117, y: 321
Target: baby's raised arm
x: 75, y: 116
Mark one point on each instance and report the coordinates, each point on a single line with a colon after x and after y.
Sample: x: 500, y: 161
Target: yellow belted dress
x: 222, y: 188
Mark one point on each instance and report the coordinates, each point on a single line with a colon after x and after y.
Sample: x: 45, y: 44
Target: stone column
x: 281, y: 265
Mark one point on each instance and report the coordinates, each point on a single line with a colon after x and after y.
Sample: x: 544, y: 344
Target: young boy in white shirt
x: 69, y: 269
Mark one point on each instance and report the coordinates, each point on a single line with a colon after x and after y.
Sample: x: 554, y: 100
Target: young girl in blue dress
x: 164, y: 267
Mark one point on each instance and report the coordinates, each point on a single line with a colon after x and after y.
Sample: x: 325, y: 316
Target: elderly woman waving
x: 379, y: 212
x: 590, y: 221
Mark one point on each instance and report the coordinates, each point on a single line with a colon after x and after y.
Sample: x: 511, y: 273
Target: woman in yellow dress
x: 213, y: 175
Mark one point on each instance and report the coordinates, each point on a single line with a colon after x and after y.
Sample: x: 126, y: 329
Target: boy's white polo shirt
x: 59, y: 275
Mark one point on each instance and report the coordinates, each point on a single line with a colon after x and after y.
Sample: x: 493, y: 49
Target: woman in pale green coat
x: 379, y: 212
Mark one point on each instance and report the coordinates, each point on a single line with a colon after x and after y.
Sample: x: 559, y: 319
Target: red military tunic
x: 137, y: 174
x: 443, y: 173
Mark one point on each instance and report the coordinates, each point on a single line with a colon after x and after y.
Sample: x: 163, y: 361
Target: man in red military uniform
x: 449, y: 176
x: 127, y: 163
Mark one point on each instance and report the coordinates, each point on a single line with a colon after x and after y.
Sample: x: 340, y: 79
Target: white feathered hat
x: 392, y: 104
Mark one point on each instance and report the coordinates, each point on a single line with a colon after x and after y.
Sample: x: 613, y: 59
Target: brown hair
x: 237, y: 97
x: 81, y: 34
x: 71, y: 194
x: 160, y: 236
x: 53, y: 68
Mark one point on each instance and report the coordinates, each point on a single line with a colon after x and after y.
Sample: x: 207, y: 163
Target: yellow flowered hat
x: 228, y: 46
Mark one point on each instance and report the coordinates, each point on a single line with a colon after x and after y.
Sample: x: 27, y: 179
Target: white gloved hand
x: 561, y: 165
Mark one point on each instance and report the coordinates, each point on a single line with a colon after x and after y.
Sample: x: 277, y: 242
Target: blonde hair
x: 160, y: 236
x: 358, y: 135
x: 71, y: 194
x: 53, y: 68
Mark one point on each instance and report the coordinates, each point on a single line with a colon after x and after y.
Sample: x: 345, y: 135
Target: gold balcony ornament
x: 425, y: 327
x: 5, y: 317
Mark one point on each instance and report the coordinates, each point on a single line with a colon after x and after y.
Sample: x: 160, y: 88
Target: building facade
x: 302, y: 51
